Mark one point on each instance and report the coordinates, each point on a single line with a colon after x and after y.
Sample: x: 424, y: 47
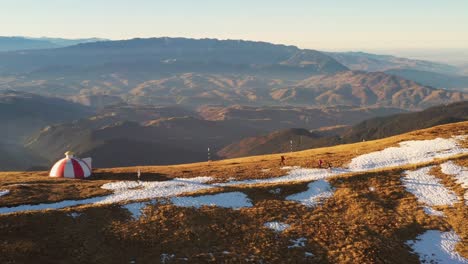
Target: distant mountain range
x: 427, y: 73
x: 194, y: 73
x: 137, y: 135
x: 37, y: 130
x: 361, y: 61
x: 126, y: 102
x: 27, y: 43
x: 374, y: 128
x: 449, y: 81
x: 366, y: 89
x: 173, y: 55
x: 21, y: 116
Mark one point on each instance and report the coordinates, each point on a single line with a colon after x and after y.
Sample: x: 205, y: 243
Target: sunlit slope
x: 380, y: 202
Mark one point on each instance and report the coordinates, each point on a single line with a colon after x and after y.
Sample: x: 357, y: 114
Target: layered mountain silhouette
x: 361, y: 61
x: 434, y: 74
x: 173, y: 54
x: 137, y: 135
x: 27, y: 43
x: 178, y: 95
x: 375, y: 128
x: 362, y: 88
x: 21, y: 116
x: 193, y: 73
x: 440, y: 80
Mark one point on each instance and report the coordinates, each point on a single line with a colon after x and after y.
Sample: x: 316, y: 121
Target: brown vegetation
x: 358, y: 224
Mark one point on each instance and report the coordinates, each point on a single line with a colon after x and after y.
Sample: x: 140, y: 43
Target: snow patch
x: 427, y: 188
x: 166, y: 257
x: 408, y: 152
x: 135, y: 209
x: 49, y: 206
x: 300, y: 242
x: 4, y: 192
x: 125, y: 191
x: 233, y: 200
x: 437, y: 247
x: 317, y: 192
x: 74, y: 214
x: 431, y: 211
x: 277, y: 226
x: 290, y: 167
x: 294, y: 175
x: 275, y: 191
x: 460, y: 174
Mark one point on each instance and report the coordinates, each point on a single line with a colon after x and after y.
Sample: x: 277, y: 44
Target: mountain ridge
x: 371, y: 129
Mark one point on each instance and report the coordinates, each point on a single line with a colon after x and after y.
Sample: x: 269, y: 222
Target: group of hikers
x: 321, y: 163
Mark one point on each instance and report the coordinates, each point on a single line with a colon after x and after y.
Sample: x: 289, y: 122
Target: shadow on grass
x: 125, y: 176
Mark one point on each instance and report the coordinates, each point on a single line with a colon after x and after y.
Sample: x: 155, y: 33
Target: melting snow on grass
x: 275, y: 191
x: 74, y: 214
x: 233, y: 200
x: 460, y: 174
x: 294, y: 175
x: 133, y: 191
x: 135, y: 209
x: 277, y: 226
x: 437, y: 247
x: 317, y: 192
x: 300, y: 242
x: 431, y: 211
x: 125, y: 191
x: 427, y: 188
x: 4, y: 192
x: 47, y: 206
x: 408, y: 152
x: 290, y: 167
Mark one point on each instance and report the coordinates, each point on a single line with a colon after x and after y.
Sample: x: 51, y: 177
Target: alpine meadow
x: 233, y: 132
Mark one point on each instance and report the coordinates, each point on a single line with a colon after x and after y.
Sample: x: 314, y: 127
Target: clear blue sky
x: 326, y: 25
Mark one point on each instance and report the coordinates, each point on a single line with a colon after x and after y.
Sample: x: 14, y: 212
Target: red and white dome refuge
x: 71, y: 167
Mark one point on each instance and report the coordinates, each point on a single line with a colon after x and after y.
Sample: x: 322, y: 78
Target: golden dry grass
x: 356, y: 225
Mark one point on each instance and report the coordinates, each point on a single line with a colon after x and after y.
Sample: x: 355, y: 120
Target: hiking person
x: 329, y: 166
x: 320, y: 163
x: 282, y: 163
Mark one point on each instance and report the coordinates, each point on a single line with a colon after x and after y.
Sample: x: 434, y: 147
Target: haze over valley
x: 133, y: 95
x: 234, y: 131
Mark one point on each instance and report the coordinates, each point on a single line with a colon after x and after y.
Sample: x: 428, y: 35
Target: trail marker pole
x: 291, y: 144
x: 209, y: 155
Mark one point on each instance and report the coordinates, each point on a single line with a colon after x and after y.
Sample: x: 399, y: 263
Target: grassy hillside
x: 369, y: 218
